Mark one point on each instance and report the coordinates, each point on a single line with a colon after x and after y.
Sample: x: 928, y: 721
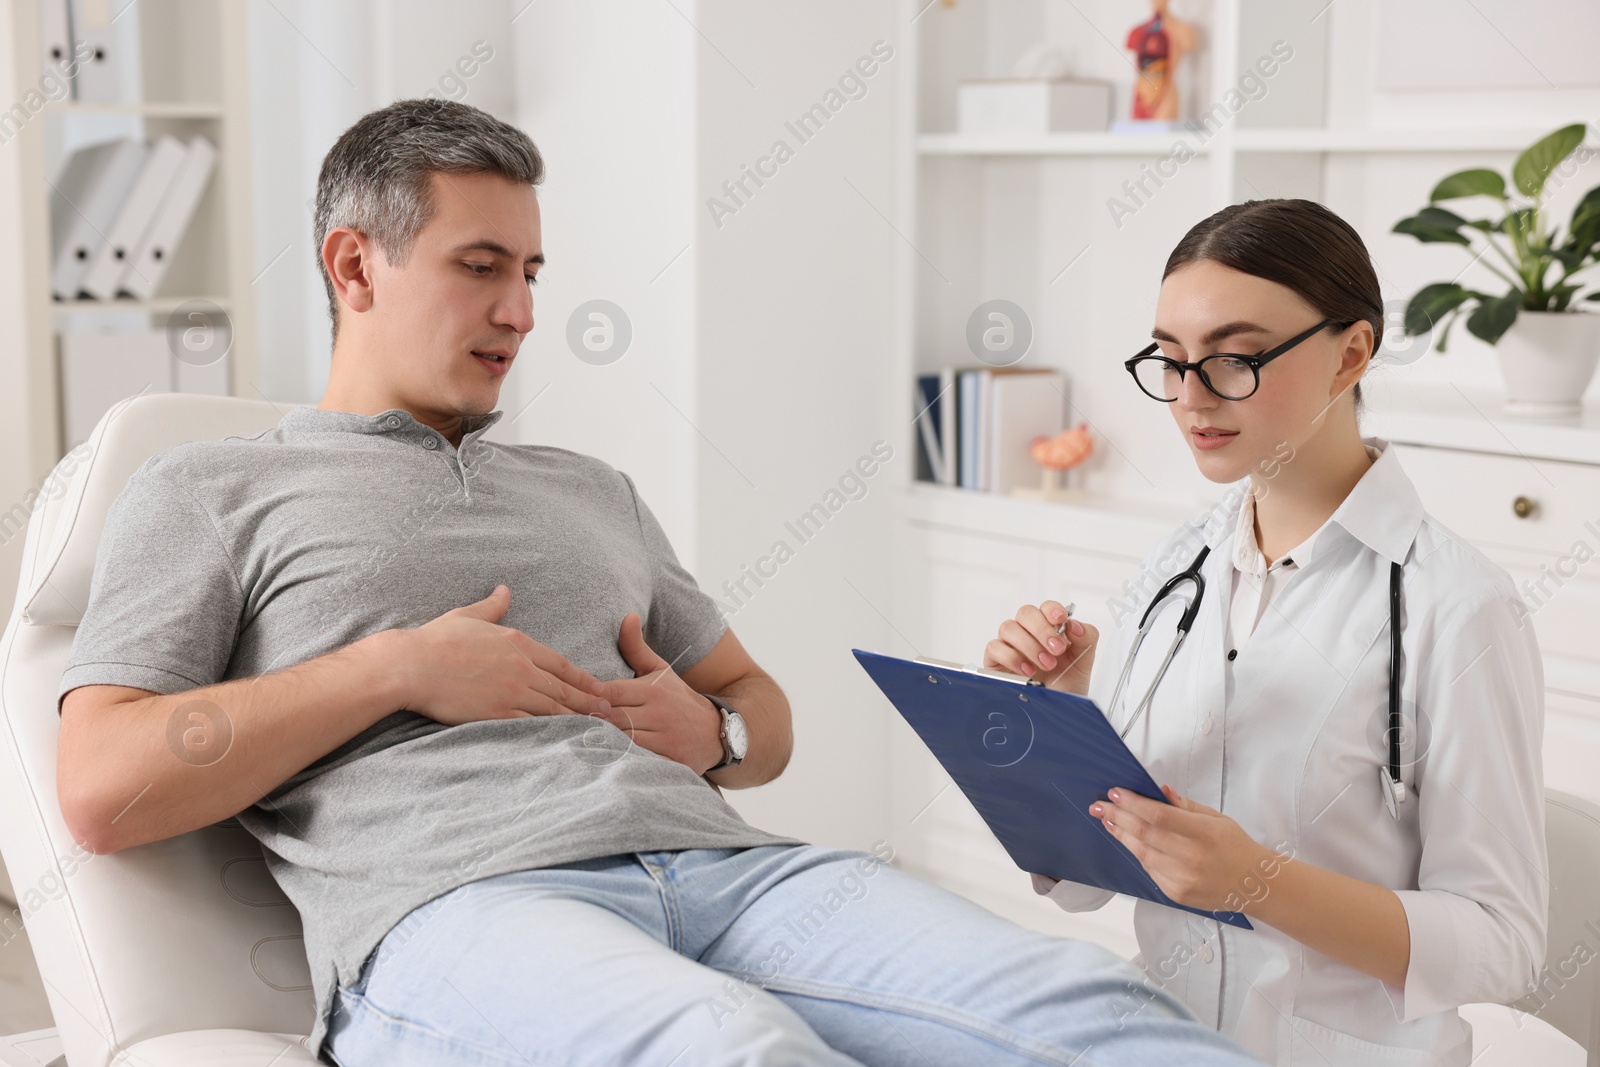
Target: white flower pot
x: 1547, y: 359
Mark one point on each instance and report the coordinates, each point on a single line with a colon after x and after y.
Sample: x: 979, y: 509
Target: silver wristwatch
x: 735, y: 738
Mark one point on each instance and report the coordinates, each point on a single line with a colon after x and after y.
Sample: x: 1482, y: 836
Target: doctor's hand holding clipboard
x: 1341, y: 699
x: 1198, y: 856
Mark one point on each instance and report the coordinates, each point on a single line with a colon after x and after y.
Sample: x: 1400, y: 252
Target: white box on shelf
x: 1032, y: 105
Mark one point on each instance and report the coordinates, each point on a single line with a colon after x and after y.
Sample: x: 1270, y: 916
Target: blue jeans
x: 773, y: 955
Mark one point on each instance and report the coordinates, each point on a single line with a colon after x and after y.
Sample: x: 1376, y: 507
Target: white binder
x: 142, y: 275
x: 138, y: 211
x: 57, y: 40
x: 97, y: 79
x: 83, y: 204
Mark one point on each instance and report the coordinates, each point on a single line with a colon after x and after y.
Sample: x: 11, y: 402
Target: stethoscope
x: 1394, y: 790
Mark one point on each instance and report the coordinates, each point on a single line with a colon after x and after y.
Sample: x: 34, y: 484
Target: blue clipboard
x: 1031, y: 760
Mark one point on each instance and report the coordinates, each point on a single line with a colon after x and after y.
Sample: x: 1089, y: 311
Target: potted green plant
x: 1546, y: 344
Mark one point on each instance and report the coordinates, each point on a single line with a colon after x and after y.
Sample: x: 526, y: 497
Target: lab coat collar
x: 1383, y: 511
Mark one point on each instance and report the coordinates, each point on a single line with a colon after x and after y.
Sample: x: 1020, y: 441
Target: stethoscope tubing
x: 1190, y: 612
x: 1394, y: 792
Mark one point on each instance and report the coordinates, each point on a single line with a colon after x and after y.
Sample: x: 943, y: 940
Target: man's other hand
x: 657, y: 709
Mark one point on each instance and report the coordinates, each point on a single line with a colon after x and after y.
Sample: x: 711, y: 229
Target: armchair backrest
x: 186, y: 934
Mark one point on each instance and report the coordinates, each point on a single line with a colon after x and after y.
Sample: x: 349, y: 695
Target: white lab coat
x: 1287, y: 739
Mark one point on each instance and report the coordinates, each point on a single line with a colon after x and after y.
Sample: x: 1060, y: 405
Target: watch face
x: 738, y: 737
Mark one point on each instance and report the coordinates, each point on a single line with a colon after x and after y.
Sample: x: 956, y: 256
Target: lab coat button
x: 1207, y: 724
x: 1206, y: 954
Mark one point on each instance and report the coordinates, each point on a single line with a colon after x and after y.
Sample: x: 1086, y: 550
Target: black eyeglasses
x: 1228, y: 375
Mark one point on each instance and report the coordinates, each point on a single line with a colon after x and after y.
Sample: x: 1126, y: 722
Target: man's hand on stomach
x: 464, y: 666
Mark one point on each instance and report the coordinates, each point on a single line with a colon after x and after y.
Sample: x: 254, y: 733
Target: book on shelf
x: 969, y: 413
x: 975, y: 425
x: 930, y: 411
x: 937, y: 452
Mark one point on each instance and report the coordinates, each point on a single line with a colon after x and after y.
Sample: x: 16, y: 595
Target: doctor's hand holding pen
x: 1044, y: 642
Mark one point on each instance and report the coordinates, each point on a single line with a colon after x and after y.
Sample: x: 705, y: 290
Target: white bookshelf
x: 1422, y: 140
x: 154, y: 109
x: 1242, y: 141
x: 1054, y: 144
x: 1028, y: 218
x: 190, y: 77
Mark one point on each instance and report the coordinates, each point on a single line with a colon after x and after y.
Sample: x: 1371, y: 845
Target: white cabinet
x: 1540, y: 520
x: 1527, y: 494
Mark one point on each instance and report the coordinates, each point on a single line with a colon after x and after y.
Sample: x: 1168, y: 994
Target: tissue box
x: 1033, y: 106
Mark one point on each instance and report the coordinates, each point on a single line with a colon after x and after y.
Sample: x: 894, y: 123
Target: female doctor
x: 1386, y: 883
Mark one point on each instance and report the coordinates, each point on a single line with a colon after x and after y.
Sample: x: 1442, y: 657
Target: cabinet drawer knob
x: 1524, y: 507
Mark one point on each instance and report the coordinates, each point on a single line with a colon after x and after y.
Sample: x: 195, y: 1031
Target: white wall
x: 756, y: 377
x: 608, y: 102
x: 315, y: 68
x: 607, y: 92
x: 795, y: 381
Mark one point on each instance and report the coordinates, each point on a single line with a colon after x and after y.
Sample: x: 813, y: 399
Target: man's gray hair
x: 375, y: 178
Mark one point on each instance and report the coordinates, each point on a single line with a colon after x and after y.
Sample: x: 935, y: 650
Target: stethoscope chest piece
x: 1394, y: 791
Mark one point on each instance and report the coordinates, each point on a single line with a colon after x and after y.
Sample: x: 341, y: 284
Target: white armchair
x: 182, y: 952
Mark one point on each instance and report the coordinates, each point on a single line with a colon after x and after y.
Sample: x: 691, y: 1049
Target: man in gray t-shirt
x: 420, y: 666
x: 230, y: 559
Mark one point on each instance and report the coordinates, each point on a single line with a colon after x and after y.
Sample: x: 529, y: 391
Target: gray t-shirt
x: 229, y: 559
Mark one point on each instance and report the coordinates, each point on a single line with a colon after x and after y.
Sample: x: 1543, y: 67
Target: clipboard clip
x: 985, y: 672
